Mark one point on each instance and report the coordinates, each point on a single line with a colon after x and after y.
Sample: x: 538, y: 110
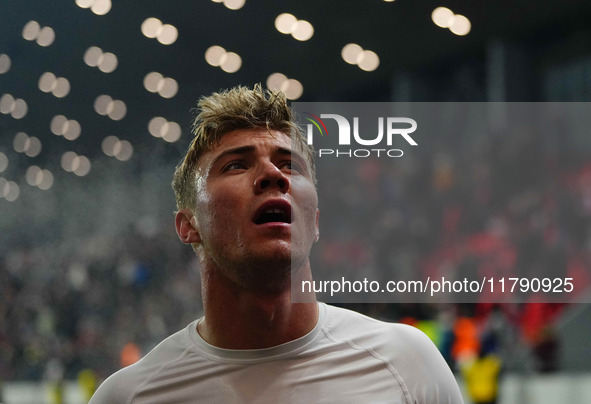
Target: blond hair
x: 220, y: 113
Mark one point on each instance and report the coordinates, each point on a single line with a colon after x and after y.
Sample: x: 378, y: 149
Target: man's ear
x: 317, y: 225
x: 186, y: 227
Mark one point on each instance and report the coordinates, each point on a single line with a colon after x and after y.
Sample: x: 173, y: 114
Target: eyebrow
x: 236, y: 150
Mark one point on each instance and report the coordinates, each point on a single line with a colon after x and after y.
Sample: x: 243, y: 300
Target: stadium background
x: 95, y: 110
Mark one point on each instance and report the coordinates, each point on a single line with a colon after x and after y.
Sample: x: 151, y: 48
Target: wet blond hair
x: 223, y: 112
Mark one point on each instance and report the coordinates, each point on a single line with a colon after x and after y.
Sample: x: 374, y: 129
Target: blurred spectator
x: 130, y: 354
x: 466, y: 340
x: 481, y: 375
x: 87, y: 381
x: 546, y: 350
x: 54, y: 375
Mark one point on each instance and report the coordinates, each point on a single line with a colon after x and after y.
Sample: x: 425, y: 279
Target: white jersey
x: 346, y: 358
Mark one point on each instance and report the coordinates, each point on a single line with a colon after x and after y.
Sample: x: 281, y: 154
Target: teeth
x: 273, y: 211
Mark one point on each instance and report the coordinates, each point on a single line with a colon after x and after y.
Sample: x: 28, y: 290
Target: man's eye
x: 234, y: 165
x: 292, y: 165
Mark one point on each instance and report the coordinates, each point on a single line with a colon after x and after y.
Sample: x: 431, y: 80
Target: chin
x: 269, y: 278
x: 277, y: 262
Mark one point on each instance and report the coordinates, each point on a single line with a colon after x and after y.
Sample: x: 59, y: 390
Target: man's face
x: 256, y: 208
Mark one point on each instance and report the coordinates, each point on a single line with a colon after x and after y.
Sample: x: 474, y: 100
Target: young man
x: 247, y: 203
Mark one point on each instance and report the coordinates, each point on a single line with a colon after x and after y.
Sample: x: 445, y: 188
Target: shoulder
x: 350, y: 324
x: 121, y: 386
x: 426, y: 374
x: 117, y: 388
x: 409, y: 353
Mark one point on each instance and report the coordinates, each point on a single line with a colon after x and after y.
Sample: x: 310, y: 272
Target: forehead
x: 260, y: 138
x: 243, y: 137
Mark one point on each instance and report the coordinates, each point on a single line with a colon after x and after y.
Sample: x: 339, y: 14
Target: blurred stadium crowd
x: 517, y: 204
x: 102, y: 300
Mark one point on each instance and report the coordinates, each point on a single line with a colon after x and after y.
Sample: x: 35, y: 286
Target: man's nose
x: 270, y: 176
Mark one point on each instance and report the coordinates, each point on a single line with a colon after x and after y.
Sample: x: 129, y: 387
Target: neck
x: 240, y: 318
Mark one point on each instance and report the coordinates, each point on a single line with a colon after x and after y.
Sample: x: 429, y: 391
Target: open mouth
x: 273, y: 212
